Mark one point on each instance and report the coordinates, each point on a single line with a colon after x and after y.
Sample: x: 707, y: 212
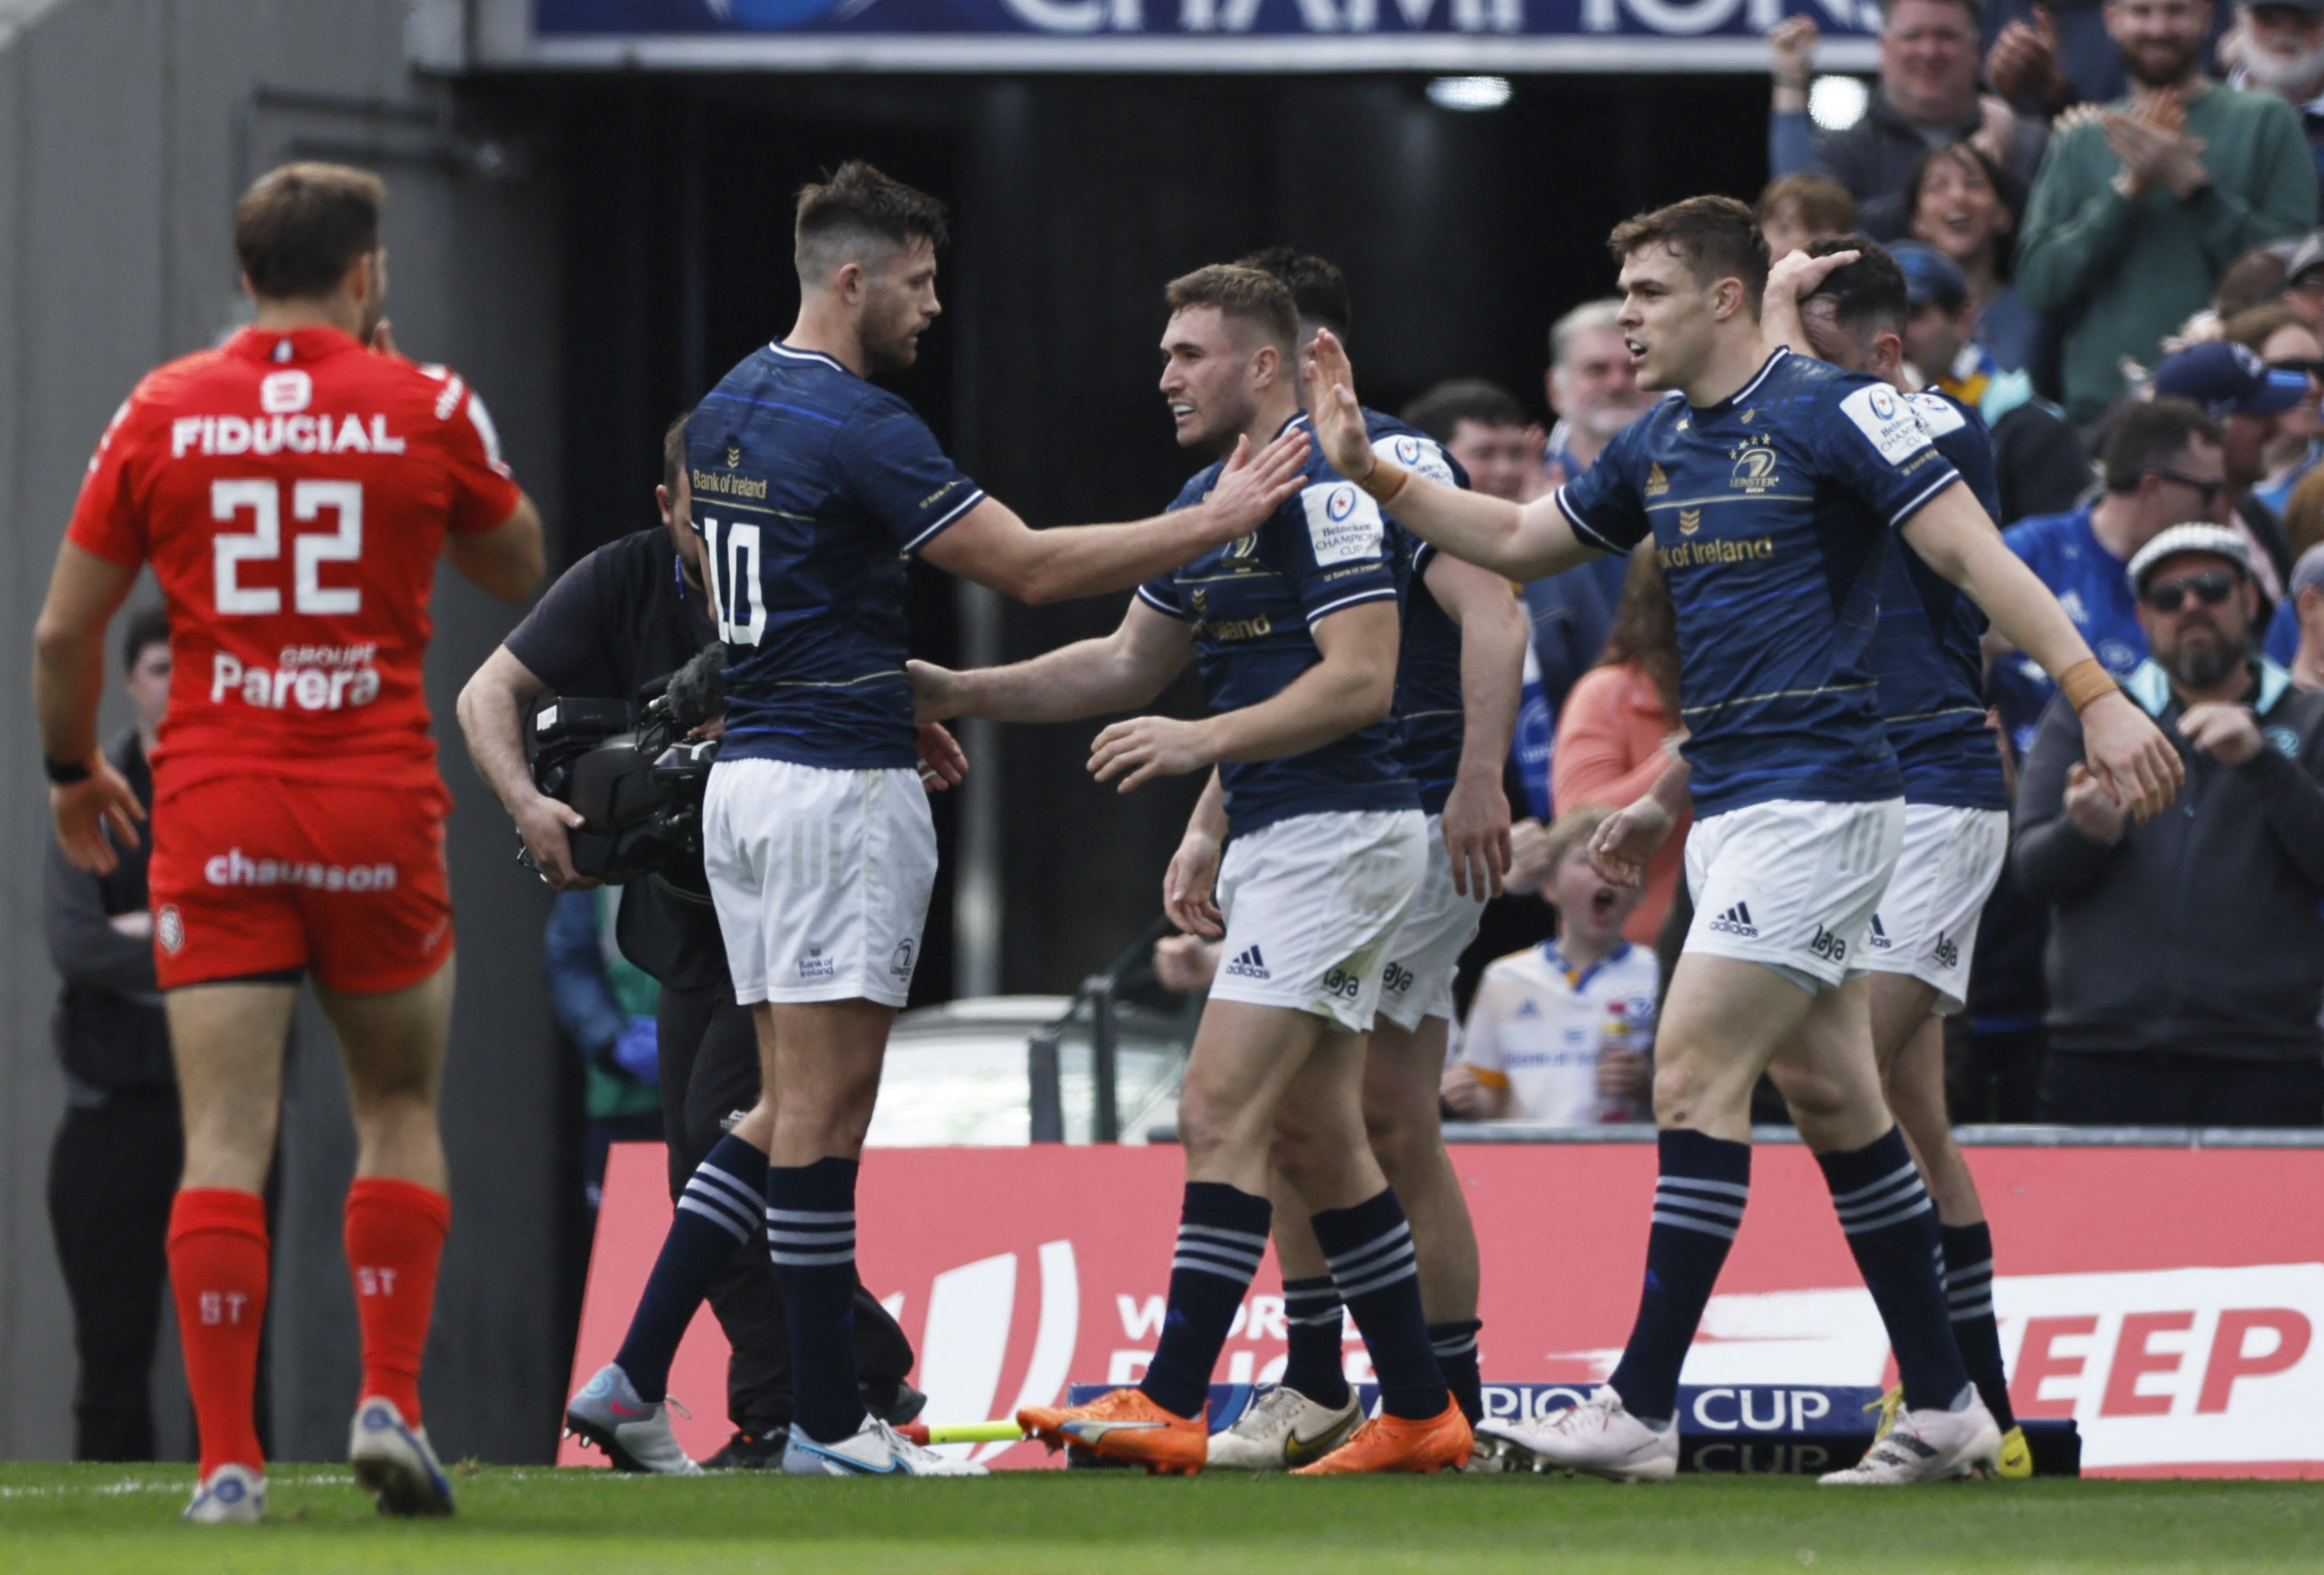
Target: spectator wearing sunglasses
x: 2186, y: 957
x: 2249, y: 400
x: 2285, y: 342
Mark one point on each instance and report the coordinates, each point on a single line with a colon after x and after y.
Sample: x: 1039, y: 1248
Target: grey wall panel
x: 119, y: 157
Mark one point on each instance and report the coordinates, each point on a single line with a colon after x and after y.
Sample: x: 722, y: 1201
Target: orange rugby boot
x: 1123, y: 1424
x: 1393, y: 1443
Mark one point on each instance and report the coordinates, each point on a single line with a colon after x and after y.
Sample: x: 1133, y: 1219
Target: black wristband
x: 65, y: 773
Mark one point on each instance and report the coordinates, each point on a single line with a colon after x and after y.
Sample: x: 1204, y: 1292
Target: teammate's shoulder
x: 1400, y: 443
x: 1941, y: 413
x: 1198, y: 485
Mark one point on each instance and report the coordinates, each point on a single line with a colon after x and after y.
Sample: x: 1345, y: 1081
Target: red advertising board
x: 2167, y: 1299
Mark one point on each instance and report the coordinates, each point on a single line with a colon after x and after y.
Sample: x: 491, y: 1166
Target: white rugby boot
x: 1283, y: 1429
x: 876, y: 1449
x: 229, y: 1495
x: 634, y: 1433
x: 1927, y: 1445
x: 1597, y: 1437
x: 395, y: 1461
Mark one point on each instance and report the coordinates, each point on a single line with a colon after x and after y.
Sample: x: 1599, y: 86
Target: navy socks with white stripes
x: 718, y: 1211
x: 1699, y: 1202
x: 1892, y: 1230
x: 1455, y: 1345
x: 1221, y: 1235
x: 1314, y: 1325
x: 811, y: 1236
x: 1968, y: 1288
x: 1370, y: 1249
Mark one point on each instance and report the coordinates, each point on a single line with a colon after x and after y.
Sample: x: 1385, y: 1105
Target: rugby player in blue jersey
x: 1845, y: 301
x: 1295, y: 631
x: 1769, y: 483
x: 1458, y: 673
x: 812, y: 489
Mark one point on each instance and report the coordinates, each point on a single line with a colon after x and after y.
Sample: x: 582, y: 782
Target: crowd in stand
x: 2106, y: 215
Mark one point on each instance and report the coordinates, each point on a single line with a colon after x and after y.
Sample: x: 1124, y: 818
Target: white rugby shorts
x: 821, y: 879
x: 1312, y: 904
x: 1792, y: 883
x: 1926, y: 924
x: 1417, y: 981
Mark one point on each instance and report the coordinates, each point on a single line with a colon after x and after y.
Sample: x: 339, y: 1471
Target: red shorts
x: 252, y: 875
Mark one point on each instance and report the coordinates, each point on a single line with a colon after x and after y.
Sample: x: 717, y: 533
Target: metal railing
x: 1044, y: 1067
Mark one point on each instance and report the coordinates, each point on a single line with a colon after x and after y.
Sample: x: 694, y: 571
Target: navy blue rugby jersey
x: 1428, y: 660
x: 1927, y: 652
x: 811, y: 489
x: 1253, y: 604
x: 1770, y: 511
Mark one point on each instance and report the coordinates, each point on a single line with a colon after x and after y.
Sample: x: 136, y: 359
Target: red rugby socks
x: 217, y: 1273
x: 395, y: 1237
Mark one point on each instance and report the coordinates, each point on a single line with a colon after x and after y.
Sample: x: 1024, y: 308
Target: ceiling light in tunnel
x: 1469, y: 93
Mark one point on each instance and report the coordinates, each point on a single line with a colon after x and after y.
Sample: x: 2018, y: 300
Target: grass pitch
x: 91, y: 1519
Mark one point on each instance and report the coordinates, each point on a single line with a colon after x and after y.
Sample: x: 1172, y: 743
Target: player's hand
x: 1185, y: 963
x: 2129, y: 756
x: 943, y: 762
x: 2229, y: 733
x: 1795, y: 276
x: 1332, y: 409
x: 544, y: 824
x: 2091, y: 807
x: 1147, y: 746
x: 936, y: 692
x: 87, y: 810
x: 1189, y: 887
x: 1463, y: 1095
x: 1528, y: 857
x: 1477, y: 835
x: 1627, y: 840
x: 1249, y: 488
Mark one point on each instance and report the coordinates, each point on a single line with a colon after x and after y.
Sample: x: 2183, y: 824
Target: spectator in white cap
x: 2186, y: 957
x: 2295, y: 636
x: 2249, y: 399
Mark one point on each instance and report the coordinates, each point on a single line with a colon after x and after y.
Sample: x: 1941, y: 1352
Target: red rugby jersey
x: 292, y: 491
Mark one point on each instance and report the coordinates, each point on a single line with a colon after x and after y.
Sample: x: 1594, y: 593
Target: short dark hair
x: 1868, y: 293
x: 300, y: 227
x: 856, y: 205
x: 673, y: 451
x: 1464, y: 398
x: 1716, y: 237
x: 2149, y: 435
x: 1826, y: 206
x: 146, y: 626
x: 1238, y: 292
x: 2007, y: 188
x: 1318, y: 289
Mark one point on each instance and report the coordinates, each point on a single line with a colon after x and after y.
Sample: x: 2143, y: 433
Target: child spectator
x: 1561, y: 1033
x: 1800, y: 209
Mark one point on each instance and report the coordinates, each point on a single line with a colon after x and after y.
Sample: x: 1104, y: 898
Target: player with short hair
x: 1768, y: 482
x: 812, y: 488
x: 1845, y: 300
x: 293, y: 491
x: 1462, y: 649
x: 1295, y: 629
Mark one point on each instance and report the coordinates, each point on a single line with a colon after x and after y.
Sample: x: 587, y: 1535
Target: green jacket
x: 2120, y: 275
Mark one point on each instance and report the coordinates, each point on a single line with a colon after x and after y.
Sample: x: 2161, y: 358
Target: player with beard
x: 1769, y: 484
x: 1295, y: 627
x: 812, y: 489
x: 2139, y: 209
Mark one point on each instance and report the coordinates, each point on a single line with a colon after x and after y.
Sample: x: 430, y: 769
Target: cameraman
x: 622, y: 618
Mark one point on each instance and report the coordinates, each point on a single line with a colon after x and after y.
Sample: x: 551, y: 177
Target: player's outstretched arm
x: 1352, y: 686
x: 992, y: 546
x: 508, y: 559
x: 85, y: 590
x: 2126, y: 752
x: 1493, y: 634
x: 492, y: 709
x: 1522, y: 543
x: 1126, y: 669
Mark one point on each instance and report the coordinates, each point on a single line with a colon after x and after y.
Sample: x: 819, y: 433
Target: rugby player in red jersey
x: 292, y: 491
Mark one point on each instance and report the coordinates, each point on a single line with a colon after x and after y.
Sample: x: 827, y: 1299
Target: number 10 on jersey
x: 730, y: 561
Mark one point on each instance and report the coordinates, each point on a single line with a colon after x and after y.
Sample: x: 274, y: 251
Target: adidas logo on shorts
x: 1880, y: 942
x: 1948, y: 951
x: 1249, y: 965
x: 1736, y: 921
